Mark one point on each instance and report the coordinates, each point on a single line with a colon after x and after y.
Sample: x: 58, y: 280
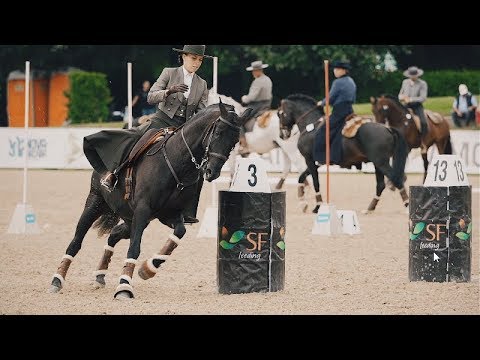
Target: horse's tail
x: 106, y: 222
x: 400, y: 154
x: 448, y: 147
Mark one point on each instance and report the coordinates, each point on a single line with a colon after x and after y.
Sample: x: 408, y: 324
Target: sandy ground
x: 362, y: 274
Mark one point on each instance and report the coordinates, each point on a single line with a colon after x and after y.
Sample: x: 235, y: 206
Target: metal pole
x: 27, y: 106
x: 327, y: 129
x: 129, y: 96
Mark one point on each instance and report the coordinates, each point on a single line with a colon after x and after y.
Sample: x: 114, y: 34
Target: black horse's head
x: 222, y: 139
x: 295, y: 109
x: 388, y: 108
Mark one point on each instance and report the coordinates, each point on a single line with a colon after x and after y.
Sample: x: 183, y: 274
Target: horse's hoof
x: 315, y: 210
x: 54, y: 289
x: 99, y: 282
x: 123, y: 292
x: 303, y: 206
x: 124, y: 295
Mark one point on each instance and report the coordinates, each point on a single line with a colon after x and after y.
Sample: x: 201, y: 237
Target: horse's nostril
x: 208, y: 172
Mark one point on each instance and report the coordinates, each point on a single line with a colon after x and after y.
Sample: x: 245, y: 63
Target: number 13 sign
x: 446, y: 170
x: 250, y: 176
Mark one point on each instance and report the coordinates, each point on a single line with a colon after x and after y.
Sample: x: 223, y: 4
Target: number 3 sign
x: 250, y: 176
x: 446, y: 170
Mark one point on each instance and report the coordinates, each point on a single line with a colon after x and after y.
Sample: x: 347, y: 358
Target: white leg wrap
x: 69, y: 257
x: 124, y: 287
x: 100, y: 272
x: 174, y: 238
x: 108, y: 247
x: 160, y: 257
x: 131, y: 261
x: 151, y: 267
x: 126, y: 277
x: 60, y: 277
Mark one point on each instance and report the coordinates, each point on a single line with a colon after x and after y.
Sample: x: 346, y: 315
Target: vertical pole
x: 129, y: 96
x: 327, y: 129
x: 25, y: 151
x: 214, y: 194
x: 215, y: 75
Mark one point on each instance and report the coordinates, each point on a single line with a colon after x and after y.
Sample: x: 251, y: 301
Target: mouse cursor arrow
x: 435, y: 257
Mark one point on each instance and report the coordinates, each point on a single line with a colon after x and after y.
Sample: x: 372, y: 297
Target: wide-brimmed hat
x: 341, y: 64
x: 463, y: 89
x: 257, y: 65
x: 193, y: 49
x: 413, y: 71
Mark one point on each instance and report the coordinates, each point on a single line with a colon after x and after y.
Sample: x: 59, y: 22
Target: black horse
x: 163, y: 184
x: 373, y: 142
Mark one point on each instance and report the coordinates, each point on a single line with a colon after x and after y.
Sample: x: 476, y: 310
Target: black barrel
x: 440, y: 230
x: 251, y: 242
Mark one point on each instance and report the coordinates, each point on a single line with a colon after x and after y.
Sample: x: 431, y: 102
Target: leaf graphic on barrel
x: 469, y: 229
x: 237, y: 236
x: 417, y: 230
x: 281, y: 245
x: 462, y: 235
x: 226, y: 245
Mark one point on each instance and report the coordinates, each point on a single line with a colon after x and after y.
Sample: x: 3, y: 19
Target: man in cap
x: 259, y: 97
x: 178, y: 94
x: 413, y: 94
x: 343, y: 94
x: 464, y: 106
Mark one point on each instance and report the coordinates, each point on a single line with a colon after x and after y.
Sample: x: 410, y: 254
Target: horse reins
x: 211, y: 131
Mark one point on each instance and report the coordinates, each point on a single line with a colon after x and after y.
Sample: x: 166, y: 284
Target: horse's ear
x: 223, y: 110
x: 245, y: 115
x: 373, y: 100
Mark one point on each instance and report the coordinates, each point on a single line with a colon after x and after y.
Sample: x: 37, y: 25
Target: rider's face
x: 339, y: 72
x: 192, y: 62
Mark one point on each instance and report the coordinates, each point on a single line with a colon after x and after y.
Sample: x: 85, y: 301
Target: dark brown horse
x: 388, y: 110
x: 373, y: 142
x: 163, y: 184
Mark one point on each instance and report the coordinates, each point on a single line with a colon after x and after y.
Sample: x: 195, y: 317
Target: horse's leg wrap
x: 318, y: 198
x: 301, y: 197
x: 102, y: 267
x: 373, y: 203
x: 404, y: 195
x: 59, y: 277
x: 151, y: 266
x: 126, y: 279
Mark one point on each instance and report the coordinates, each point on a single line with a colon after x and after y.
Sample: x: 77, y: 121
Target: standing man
x: 259, y: 97
x: 413, y: 93
x: 464, y: 106
x: 343, y: 94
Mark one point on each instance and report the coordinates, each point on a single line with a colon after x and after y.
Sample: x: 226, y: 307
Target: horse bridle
x: 281, y: 113
x: 407, y: 115
x: 206, y: 154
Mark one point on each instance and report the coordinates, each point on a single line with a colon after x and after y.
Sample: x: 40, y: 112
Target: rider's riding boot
x: 107, y: 181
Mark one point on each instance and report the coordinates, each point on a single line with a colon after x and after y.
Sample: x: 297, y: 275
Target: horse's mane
x: 209, y: 109
x: 395, y: 100
x: 302, y: 97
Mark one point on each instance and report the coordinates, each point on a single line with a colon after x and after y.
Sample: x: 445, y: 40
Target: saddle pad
x: 434, y: 117
x: 351, y: 126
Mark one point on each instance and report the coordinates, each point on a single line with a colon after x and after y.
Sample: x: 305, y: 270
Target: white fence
x: 62, y: 148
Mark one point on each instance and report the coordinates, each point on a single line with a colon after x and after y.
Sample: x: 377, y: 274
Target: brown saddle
x: 434, y: 117
x: 150, y: 137
x: 352, y: 124
x: 263, y: 120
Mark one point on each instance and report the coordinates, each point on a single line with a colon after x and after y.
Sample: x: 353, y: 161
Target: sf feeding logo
x: 434, y: 232
x: 256, y: 239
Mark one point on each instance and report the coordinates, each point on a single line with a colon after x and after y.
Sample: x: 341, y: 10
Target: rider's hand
x: 177, y: 88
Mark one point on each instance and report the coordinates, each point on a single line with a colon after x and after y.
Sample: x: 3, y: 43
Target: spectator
x: 141, y: 99
x: 464, y: 107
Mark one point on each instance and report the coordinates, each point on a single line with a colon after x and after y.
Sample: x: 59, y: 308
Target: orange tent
x: 38, y: 114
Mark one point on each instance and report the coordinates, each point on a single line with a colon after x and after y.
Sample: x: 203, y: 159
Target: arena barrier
x: 251, y: 233
x: 440, y: 225
x: 62, y: 148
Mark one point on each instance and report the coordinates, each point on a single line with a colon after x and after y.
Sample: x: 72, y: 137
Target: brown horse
x: 388, y: 109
